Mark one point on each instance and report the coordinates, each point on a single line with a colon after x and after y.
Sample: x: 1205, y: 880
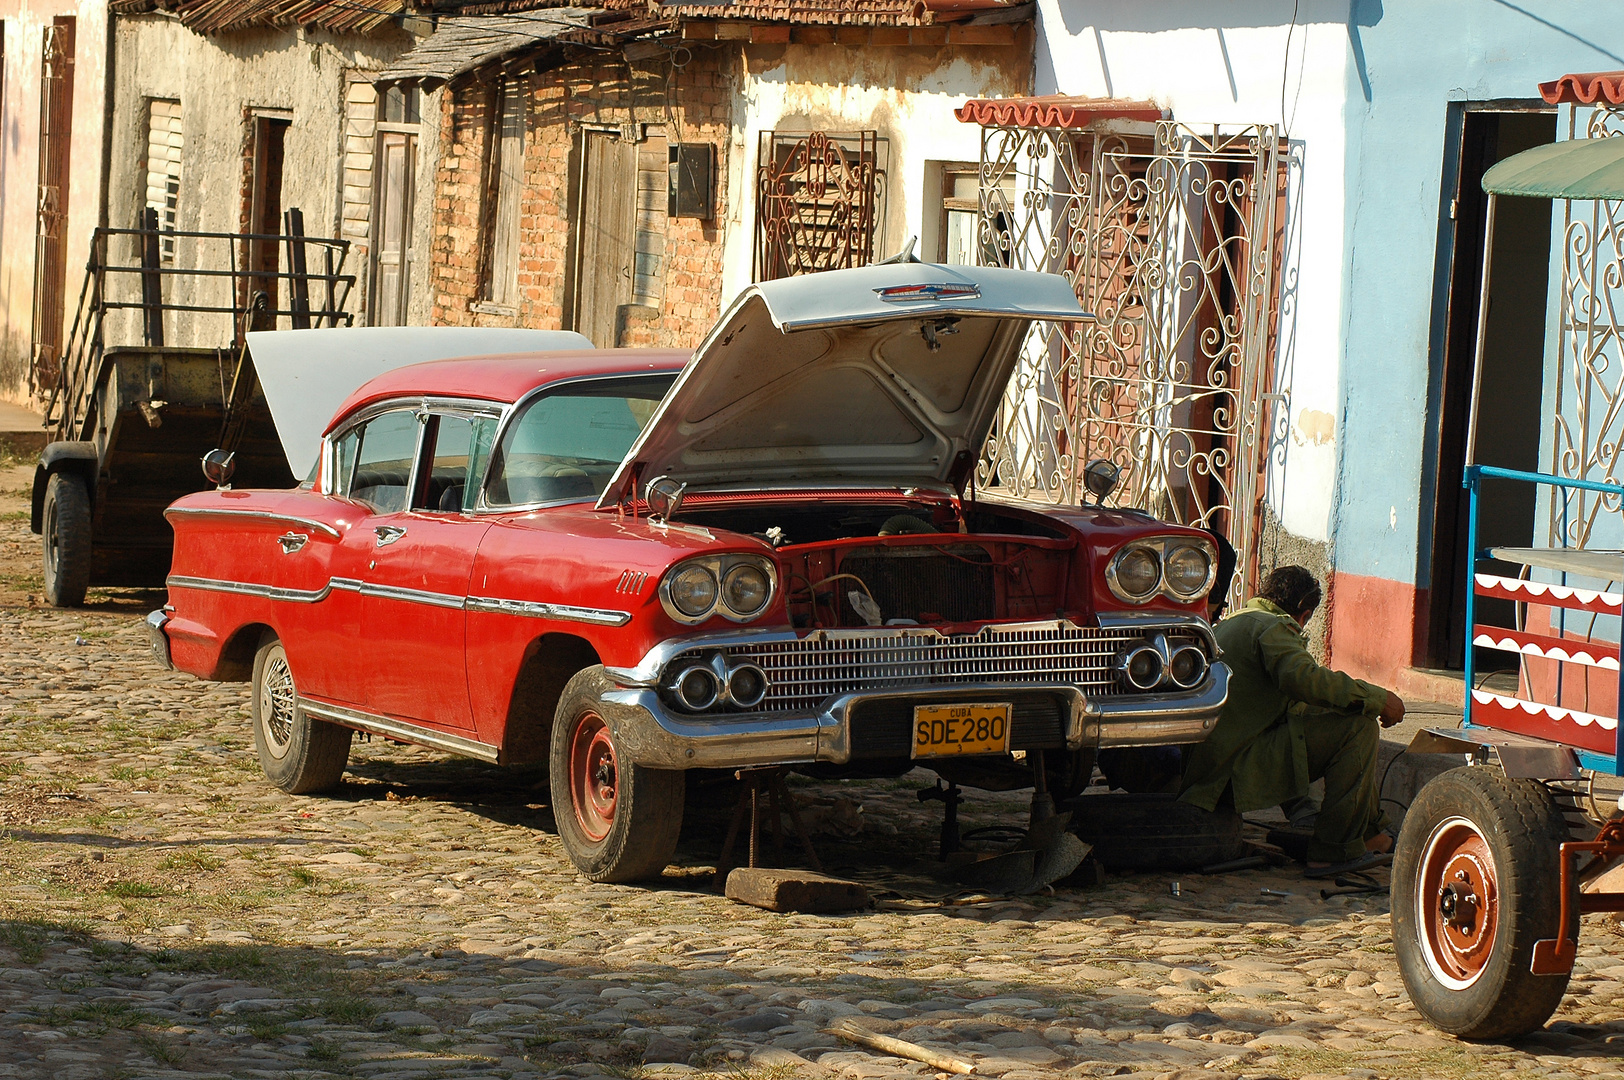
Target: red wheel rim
x: 594, y: 776
x: 1457, y: 897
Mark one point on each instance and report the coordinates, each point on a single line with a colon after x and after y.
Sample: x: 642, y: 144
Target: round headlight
x: 1138, y: 572
x: 745, y: 589
x: 1188, y: 568
x: 693, y: 591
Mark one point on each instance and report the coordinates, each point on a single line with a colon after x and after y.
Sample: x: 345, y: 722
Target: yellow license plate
x: 951, y: 730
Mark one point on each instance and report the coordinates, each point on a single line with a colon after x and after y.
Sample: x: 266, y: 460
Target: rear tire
x: 1475, y: 884
x: 618, y: 821
x: 299, y: 755
x: 66, y: 536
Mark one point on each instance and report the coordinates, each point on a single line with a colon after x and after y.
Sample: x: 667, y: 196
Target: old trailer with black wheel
x: 1498, y: 860
x: 130, y: 422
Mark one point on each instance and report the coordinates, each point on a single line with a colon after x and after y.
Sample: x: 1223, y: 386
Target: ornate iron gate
x: 1170, y: 238
x: 1589, y: 412
x: 818, y: 200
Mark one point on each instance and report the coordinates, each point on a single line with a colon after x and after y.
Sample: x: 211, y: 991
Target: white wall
x: 907, y: 94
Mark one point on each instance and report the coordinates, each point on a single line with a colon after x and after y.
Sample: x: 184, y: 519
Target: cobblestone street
x: 165, y: 911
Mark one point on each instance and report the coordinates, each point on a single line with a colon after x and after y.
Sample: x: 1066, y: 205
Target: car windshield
x: 567, y: 444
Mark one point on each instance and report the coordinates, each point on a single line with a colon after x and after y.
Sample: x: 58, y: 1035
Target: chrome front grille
x: 806, y: 672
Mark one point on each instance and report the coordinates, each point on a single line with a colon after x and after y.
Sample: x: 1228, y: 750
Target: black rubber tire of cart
x: 299, y: 754
x: 66, y: 540
x: 1155, y: 832
x: 1468, y: 974
x: 618, y: 821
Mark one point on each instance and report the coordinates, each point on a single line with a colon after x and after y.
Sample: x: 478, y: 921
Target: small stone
x: 765, y: 1020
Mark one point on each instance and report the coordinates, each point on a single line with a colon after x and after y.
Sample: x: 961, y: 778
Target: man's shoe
x: 1370, y: 860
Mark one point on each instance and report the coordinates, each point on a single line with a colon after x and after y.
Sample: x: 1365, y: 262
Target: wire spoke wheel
x: 594, y: 776
x: 1457, y: 898
x: 281, y: 701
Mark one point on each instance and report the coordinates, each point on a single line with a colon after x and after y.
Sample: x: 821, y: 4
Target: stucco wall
x: 906, y: 94
x: 219, y: 80
x: 25, y: 23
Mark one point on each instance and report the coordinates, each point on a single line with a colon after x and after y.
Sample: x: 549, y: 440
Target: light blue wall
x: 1409, y: 60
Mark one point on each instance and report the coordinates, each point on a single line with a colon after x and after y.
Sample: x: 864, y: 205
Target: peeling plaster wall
x: 907, y: 94
x: 25, y: 24
x: 219, y: 80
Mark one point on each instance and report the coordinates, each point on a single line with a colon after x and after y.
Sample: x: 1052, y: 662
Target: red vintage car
x: 634, y: 563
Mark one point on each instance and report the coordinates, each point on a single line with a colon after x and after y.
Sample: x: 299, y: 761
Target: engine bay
x: 900, y: 564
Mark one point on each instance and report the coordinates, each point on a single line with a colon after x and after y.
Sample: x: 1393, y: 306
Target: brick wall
x: 691, y: 105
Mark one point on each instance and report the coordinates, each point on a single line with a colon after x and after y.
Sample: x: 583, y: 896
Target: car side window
x: 387, y: 446
x: 567, y: 444
x: 462, y: 445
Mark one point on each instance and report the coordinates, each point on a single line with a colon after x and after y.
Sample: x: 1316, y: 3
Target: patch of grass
x: 106, y: 1014
x: 28, y: 937
x: 342, y: 1007
x: 133, y: 890
x: 159, y: 1050
x: 189, y: 859
x: 8, y: 769
x: 303, y: 876
x: 321, y: 1049
x: 264, y: 1026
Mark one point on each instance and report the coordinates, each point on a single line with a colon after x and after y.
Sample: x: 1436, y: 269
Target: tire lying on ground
x: 1154, y: 832
x: 1475, y: 885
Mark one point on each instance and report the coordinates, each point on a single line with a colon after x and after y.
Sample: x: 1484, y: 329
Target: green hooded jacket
x: 1275, y: 687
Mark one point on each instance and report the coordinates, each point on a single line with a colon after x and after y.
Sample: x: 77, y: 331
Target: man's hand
x: 1392, y: 710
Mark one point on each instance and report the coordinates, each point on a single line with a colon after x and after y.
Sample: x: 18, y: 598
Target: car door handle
x: 388, y: 534
x: 292, y: 541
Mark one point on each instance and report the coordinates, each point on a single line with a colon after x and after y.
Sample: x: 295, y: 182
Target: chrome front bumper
x: 156, y: 621
x: 651, y: 735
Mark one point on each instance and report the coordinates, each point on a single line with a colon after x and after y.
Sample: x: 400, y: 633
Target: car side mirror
x: 218, y: 465
x: 1100, y: 478
x: 664, y: 498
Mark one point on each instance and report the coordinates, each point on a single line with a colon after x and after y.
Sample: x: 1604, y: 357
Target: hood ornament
x: 935, y: 291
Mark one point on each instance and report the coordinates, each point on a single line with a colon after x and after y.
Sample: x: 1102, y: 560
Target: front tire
x: 66, y: 536
x: 618, y: 821
x: 1475, y: 876
x: 298, y: 754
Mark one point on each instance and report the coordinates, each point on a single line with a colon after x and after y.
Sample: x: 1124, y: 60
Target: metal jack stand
x: 1042, y: 801
x: 771, y: 783
x: 949, y: 797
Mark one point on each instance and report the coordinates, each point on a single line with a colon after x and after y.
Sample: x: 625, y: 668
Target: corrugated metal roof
x: 1587, y: 88
x: 1053, y: 111
x: 463, y: 43
x: 215, y: 16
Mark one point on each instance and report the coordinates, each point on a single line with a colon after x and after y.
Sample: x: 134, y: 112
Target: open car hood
x: 832, y: 378
x: 308, y: 374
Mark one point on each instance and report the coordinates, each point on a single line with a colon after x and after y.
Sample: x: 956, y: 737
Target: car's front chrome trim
x: 535, y: 609
x: 651, y: 735
x: 258, y: 515
x: 391, y: 728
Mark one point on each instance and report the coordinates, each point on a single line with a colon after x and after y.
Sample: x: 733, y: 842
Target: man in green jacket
x: 1290, y: 721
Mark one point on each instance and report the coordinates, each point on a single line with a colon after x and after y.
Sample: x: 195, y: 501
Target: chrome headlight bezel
x: 1160, y: 548
x: 719, y: 567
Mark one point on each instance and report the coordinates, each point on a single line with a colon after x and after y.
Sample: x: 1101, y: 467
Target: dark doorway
x: 265, y: 204
x: 51, y: 224
x: 1513, y: 369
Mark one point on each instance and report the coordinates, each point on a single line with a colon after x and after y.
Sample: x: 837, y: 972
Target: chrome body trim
x: 530, y: 608
x: 242, y: 588
x: 156, y: 621
x: 261, y: 515
x: 652, y: 736
x: 1147, y: 621
x: 535, y: 609
x: 400, y: 729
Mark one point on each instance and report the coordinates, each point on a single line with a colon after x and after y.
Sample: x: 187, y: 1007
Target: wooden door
x: 605, y: 234
x: 265, y: 206
x: 51, y: 224
x: 392, y: 255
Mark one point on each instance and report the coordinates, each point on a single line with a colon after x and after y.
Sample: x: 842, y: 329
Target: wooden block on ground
x: 794, y: 890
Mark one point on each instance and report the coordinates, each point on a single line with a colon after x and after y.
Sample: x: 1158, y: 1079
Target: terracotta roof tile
x: 1054, y: 111
x: 1589, y: 88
